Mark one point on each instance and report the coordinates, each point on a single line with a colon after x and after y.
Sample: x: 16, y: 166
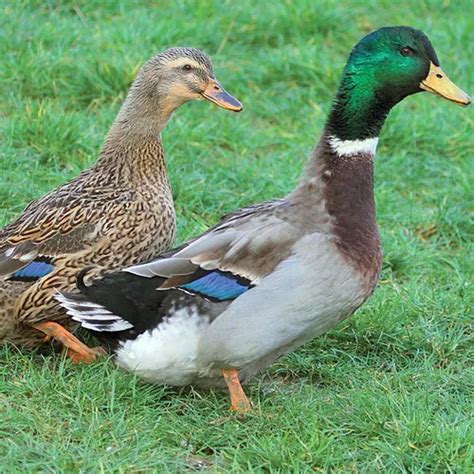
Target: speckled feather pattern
x: 106, y: 217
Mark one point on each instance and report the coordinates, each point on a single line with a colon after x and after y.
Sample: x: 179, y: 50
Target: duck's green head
x: 383, y: 68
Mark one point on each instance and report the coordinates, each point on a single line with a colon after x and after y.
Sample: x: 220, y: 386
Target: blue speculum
x: 217, y: 285
x: 34, y: 270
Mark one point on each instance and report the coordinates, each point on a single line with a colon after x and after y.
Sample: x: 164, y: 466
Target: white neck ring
x: 353, y: 147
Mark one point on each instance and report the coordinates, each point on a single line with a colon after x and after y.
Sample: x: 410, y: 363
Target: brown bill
x: 217, y: 94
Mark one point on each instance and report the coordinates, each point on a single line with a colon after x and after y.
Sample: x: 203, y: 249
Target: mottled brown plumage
x: 117, y: 213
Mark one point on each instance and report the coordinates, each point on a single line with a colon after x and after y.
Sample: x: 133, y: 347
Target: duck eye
x: 187, y: 67
x: 406, y: 51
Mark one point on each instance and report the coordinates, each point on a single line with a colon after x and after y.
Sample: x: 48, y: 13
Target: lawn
x: 390, y: 389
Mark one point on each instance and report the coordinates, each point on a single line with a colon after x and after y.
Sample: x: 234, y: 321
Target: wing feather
x: 14, y: 258
x: 248, y: 244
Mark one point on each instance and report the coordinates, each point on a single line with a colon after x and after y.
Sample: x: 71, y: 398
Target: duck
x: 269, y: 277
x: 117, y: 213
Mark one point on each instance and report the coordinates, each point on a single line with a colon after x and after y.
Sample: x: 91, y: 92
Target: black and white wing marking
x: 219, y: 266
x: 91, y: 315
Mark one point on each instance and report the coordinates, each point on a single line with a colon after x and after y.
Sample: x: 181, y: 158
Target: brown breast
x: 348, y: 191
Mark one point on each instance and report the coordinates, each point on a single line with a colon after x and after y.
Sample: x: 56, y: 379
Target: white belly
x: 167, y: 354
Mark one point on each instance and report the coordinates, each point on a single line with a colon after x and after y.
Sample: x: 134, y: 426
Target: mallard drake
x: 117, y: 213
x: 272, y: 276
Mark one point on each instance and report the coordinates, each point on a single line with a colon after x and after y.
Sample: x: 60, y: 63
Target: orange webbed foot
x: 76, y: 350
x: 85, y: 358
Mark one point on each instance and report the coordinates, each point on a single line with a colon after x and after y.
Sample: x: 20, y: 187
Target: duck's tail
x: 118, y: 302
x: 90, y: 315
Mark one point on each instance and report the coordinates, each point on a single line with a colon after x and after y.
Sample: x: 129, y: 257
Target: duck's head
x: 400, y: 61
x: 178, y: 75
x: 383, y: 68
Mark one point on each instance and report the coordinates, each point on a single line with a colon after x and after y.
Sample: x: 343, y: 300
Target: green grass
x: 389, y: 390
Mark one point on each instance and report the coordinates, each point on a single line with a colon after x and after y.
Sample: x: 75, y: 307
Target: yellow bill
x: 437, y: 82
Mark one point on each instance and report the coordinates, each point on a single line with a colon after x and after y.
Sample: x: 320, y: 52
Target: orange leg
x: 76, y: 350
x: 239, y: 401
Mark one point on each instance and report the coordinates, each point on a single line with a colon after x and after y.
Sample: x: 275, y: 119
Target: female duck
x: 270, y: 277
x: 117, y: 213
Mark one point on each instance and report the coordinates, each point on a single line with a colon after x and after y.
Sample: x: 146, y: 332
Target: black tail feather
x: 134, y: 298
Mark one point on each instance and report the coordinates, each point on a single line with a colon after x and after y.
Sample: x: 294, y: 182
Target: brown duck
x: 116, y: 213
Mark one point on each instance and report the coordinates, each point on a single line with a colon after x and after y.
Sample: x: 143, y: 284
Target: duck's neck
x: 360, y: 108
x: 354, y: 122
x: 339, y: 176
x: 352, y: 130
x: 132, y: 154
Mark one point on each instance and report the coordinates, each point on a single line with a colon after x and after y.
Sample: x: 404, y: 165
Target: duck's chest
x: 348, y: 197
x: 144, y: 228
x: 159, y: 223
